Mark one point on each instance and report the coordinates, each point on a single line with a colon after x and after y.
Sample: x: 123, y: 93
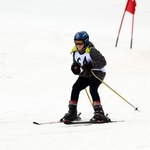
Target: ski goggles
x: 78, y: 42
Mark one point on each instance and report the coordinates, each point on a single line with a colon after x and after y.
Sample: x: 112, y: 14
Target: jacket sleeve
x: 74, y: 62
x: 99, y: 60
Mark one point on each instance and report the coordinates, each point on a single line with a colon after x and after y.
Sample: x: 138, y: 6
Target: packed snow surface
x: 36, y: 38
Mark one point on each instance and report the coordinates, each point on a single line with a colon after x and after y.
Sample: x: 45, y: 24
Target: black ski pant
x: 82, y: 83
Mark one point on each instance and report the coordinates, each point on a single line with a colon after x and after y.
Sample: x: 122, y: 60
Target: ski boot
x: 99, y: 115
x: 72, y: 113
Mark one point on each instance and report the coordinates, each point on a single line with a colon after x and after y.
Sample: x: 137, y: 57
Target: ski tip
x: 36, y: 123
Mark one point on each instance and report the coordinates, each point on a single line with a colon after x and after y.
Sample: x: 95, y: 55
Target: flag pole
x: 120, y: 28
x: 132, y: 32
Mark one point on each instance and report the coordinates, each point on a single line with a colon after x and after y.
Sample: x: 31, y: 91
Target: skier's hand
x: 75, y: 68
x: 87, y: 66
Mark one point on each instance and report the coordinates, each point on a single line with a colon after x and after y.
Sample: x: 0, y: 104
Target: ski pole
x: 136, y: 108
x: 89, y: 97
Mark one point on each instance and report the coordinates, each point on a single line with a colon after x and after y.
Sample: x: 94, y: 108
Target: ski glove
x: 75, y: 68
x: 87, y: 66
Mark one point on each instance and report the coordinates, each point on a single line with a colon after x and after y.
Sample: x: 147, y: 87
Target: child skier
x: 86, y: 58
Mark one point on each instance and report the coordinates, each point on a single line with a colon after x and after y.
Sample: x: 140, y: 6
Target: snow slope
x: 36, y: 38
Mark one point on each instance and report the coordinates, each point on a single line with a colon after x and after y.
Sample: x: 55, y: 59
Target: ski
x: 74, y: 122
x: 55, y: 122
x: 88, y: 122
x: 78, y: 121
x: 44, y: 123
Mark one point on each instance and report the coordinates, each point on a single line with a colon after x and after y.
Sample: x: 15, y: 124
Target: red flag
x: 130, y: 7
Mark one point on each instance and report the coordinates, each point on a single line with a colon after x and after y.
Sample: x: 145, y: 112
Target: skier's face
x: 79, y: 44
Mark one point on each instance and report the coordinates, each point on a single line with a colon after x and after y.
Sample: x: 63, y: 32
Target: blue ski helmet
x: 82, y: 35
